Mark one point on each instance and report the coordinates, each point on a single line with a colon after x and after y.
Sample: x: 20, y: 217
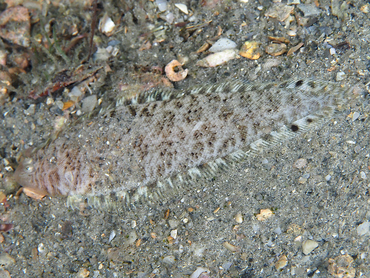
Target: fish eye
x: 29, y: 169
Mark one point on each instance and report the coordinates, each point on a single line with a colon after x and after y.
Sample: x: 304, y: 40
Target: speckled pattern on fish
x: 168, y: 139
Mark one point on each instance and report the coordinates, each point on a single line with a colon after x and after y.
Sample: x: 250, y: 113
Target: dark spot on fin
x: 294, y: 128
x: 299, y: 83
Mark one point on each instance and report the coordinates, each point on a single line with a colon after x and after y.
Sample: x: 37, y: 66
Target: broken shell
x: 68, y: 104
x: 292, y: 33
x: 222, y: 44
x: 34, y: 193
x: 279, y: 11
x: 365, y: 8
x: 294, y: 49
x: 218, y: 58
x: 250, y: 50
x: 300, y: 163
x: 308, y: 246
x: 162, y: 5
x: 239, y: 218
x: 264, y: 214
x: 276, y: 49
x: 3, y: 56
x: 16, y: 16
x: 182, y: 8
x: 230, y: 247
x: 341, y: 266
x: 278, y: 39
x: 175, y: 72
x: 106, y: 25
x: 281, y: 263
x: 5, y: 227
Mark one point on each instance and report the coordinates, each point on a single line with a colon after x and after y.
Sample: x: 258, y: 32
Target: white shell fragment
x: 363, y: 229
x: 89, y: 103
x: 112, y: 236
x: 279, y: 11
x: 199, y: 271
x: 222, y: 44
x: 170, y: 260
x: 106, y: 25
x: 238, y: 218
x: 162, y: 5
x: 182, y: 8
x: 218, y: 58
x: 308, y: 246
x: 230, y: 247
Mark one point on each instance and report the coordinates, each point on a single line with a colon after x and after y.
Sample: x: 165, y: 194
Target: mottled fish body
x: 164, y: 139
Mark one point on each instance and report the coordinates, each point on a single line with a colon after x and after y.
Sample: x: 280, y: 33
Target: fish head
x: 24, y: 173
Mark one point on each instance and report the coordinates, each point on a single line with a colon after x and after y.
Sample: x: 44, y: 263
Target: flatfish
x: 166, y: 140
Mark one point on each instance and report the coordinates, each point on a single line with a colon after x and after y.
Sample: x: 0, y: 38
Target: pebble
x: 363, y: 229
x: 170, y: 260
x: 199, y: 271
x: 174, y: 234
x: 83, y: 273
x: 75, y: 94
x: 355, y: 116
x: 363, y: 175
x: 293, y: 2
x: 279, y: 11
x: 162, y: 5
x: 49, y: 101
x: 341, y: 266
x: 226, y: 266
x: 365, y: 8
x: 16, y: 16
x: 270, y: 63
x: 59, y: 104
x: 250, y: 50
x: 309, y: 9
x: 338, y: 8
x: 182, y: 8
x: 302, y: 180
x: 106, y: 25
x: 308, y: 246
x: 264, y: 214
x: 132, y: 237
x: 276, y: 49
x: 292, y: 33
x: 6, y: 259
x: 173, y: 223
x: 300, y: 163
x: 239, y: 218
x: 112, y: 236
x: 222, y: 44
x: 4, y: 274
x: 218, y: 58
x: 89, y: 103
x: 30, y: 110
x: 281, y: 263
x: 340, y: 76
x: 230, y: 247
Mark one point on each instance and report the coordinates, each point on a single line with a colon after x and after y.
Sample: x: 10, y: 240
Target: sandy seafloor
x: 50, y: 240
